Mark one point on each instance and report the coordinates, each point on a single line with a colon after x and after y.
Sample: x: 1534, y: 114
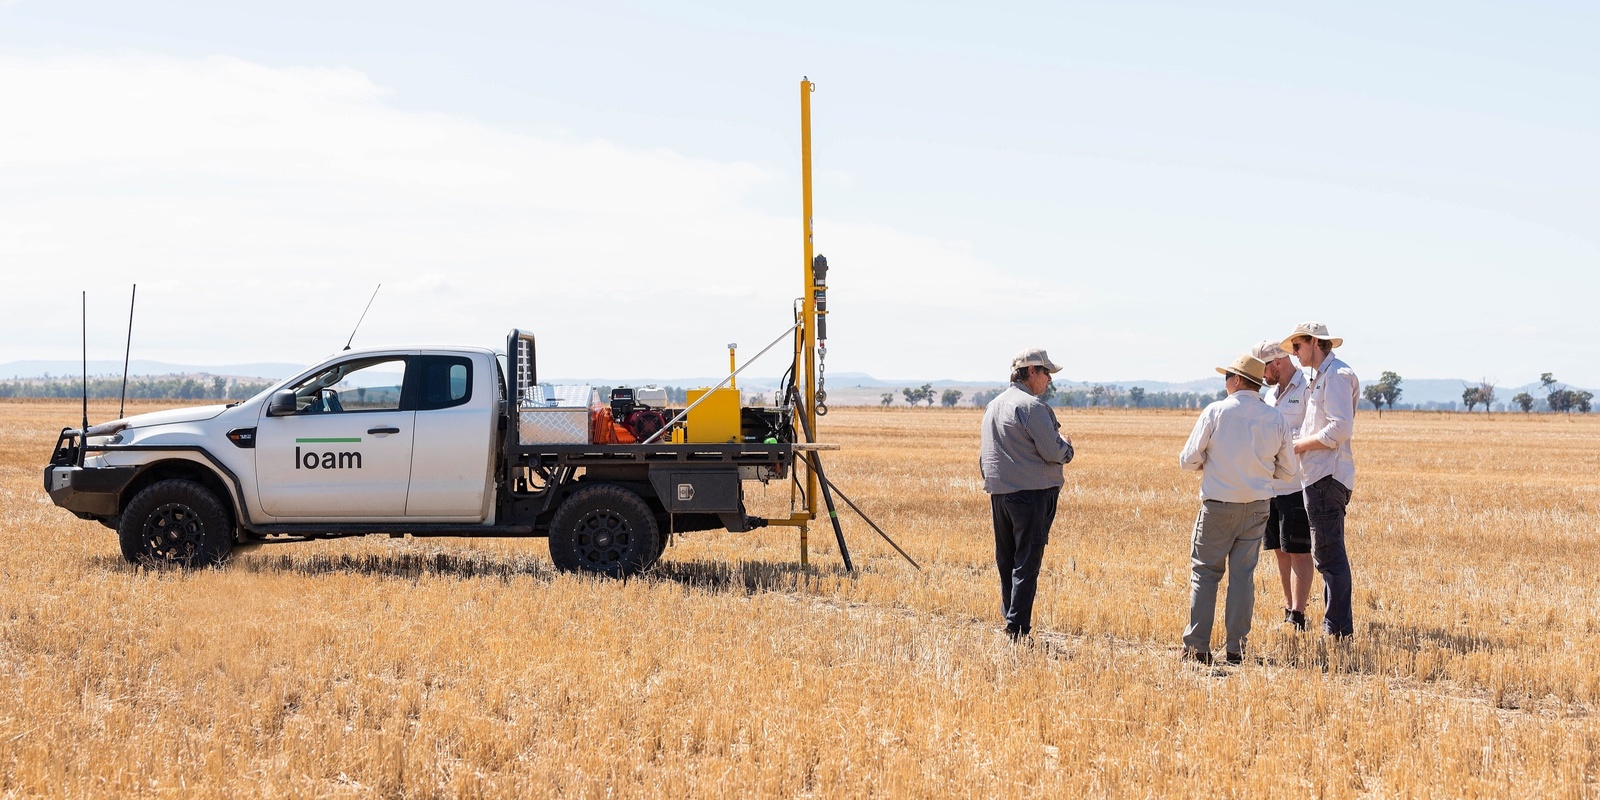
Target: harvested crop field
x: 423, y: 668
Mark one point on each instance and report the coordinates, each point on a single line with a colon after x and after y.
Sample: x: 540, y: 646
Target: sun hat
x: 1315, y: 330
x: 1269, y: 351
x: 1246, y: 366
x: 1034, y: 357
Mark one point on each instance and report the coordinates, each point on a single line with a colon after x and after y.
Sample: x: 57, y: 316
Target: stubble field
x: 423, y: 668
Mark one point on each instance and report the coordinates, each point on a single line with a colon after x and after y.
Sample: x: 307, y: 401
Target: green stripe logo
x: 329, y: 439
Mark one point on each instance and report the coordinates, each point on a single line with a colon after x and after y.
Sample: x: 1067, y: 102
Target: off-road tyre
x: 606, y: 530
x: 176, y: 522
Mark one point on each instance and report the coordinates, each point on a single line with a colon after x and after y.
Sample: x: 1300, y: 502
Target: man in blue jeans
x: 1020, y: 457
x: 1328, y: 467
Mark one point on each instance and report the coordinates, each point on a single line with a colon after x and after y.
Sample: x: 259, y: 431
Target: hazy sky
x: 1145, y: 189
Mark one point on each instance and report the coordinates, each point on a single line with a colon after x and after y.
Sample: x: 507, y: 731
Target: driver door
x: 345, y: 454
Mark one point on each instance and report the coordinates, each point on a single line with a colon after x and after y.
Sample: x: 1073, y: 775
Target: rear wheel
x: 604, y: 529
x: 175, y: 522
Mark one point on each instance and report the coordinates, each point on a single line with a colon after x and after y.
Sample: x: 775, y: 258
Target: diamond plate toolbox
x: 550, y: 414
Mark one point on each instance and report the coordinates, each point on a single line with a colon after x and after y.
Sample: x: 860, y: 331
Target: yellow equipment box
x: 716, y: 421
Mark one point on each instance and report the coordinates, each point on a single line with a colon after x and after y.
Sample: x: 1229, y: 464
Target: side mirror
x: 282, y: 404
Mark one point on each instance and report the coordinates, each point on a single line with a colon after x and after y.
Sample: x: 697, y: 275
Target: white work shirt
x: 1291, y: 403
x: 1242, y: 448
x: 1331, y: 419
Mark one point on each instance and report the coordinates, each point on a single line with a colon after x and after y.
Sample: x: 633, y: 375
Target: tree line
x: 172, y: 387
x: 1380, y: 394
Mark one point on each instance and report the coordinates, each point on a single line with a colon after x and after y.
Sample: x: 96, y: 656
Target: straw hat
x: 1315, y: 330
x: 1246, y: 366
x: 1034, y: 357
x: 1269, y: 351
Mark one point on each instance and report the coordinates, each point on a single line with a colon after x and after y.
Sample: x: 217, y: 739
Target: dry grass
x: 446, y: 668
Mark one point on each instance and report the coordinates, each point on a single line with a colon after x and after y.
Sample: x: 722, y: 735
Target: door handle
x: 388, y: 429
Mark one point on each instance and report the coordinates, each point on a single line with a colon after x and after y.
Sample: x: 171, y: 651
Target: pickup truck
x: 426, y: 441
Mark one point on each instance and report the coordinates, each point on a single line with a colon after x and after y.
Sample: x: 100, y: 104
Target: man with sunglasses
x: 1328, y: 468
x: 1020, y: 457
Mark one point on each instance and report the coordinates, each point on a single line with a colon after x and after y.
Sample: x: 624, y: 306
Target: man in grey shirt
x: 1021, y: 456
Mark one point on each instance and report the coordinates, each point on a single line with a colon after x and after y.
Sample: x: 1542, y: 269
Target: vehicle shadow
x: 404, y: 565
x: 743, y: 577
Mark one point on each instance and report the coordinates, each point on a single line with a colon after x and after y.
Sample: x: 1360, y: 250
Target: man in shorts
x: 1288, y: 532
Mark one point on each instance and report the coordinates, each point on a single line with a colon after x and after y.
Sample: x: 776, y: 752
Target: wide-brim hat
x: 1315, y: 330
x: 1246, y: 366
x: 1269, y: 351
x: 1034, y: 357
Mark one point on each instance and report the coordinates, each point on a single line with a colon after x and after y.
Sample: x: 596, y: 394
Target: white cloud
x: 256, y: 207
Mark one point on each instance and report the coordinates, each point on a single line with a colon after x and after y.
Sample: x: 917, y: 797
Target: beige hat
x: 1315, y: 330
x: 1269, y: 351
x: 1246, y: 366
x: 1034, y: 357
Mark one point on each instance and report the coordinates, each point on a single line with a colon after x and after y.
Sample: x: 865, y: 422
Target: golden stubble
x: 422, y: 668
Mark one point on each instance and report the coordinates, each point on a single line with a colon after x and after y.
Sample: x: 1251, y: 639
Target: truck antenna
x: 122, y: 403
x: 84, y: 440
x: 363, y: 317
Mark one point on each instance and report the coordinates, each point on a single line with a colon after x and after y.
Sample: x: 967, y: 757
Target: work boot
x: 1197, y: 656
x: 1297, y: 619
x: 1234, y: 658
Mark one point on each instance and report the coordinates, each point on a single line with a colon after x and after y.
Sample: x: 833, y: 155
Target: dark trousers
x: 1325, y: 504
x: 1021, y: 529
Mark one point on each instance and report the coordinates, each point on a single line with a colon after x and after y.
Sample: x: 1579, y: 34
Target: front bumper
x: 88, y: 491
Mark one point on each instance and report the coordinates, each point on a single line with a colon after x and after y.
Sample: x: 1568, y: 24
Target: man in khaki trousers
x: 1241, y: 447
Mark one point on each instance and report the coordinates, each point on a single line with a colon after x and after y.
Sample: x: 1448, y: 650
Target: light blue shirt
x: 1242, y: 448
x: 1331, y: 419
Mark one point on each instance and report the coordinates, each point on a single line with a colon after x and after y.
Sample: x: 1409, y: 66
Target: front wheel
x: 604, y: 529
x: 175, y: 522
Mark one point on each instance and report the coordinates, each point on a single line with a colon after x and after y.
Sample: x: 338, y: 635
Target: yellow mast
x: 808, y: 313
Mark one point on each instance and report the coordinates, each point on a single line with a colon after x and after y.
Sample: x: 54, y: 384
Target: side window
x: 369, y: 384
x: 442, y: 381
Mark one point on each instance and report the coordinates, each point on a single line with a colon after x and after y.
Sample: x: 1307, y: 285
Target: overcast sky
x: 1145, y: 189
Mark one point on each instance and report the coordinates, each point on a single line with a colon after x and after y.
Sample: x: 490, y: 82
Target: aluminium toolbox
x: 554, y: 414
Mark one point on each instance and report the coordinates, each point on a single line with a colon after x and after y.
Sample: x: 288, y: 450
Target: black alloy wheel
x: 176, y: 522
x: 604, y: 529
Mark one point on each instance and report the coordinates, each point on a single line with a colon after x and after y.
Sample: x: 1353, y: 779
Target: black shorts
x: 1287, y: 526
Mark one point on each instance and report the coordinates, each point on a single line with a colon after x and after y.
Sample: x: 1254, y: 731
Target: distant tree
x: 1523, y: 401
x: 1100, y: 395
x: 888, y: 399
x: 1469, y: 398
x: 1547, y: 380
x: 1581, y: 400
x: 913, y: 396
x: 1373, y: 393
x: 983, y: 398
x: 1136, y: 394
x: 927, y: 394
x: 1390, y: 381
x: 950, y: 398
x: 1561, y: 400
x: 219, y: 387
x: 1486, y: 394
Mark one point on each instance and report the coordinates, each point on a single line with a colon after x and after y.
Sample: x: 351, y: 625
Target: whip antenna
x: 363, y: 317
x: 123, y: 402
x: 84, y: 440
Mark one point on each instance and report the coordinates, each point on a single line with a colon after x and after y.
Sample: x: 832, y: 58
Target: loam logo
x: 311, y: 459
